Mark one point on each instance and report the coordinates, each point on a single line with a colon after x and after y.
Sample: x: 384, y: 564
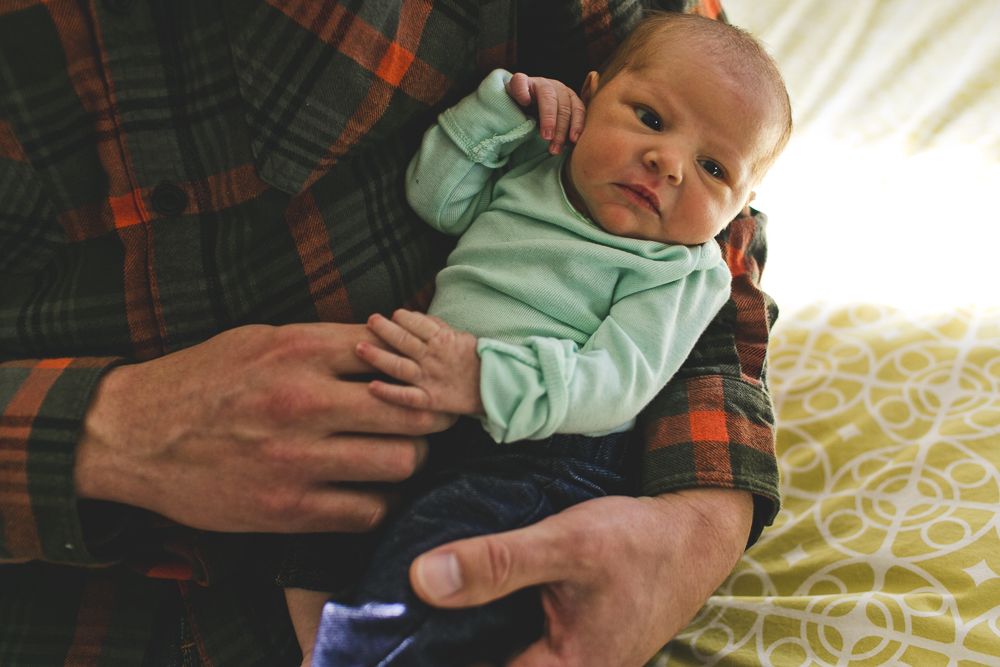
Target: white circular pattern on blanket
x: 887, y: 548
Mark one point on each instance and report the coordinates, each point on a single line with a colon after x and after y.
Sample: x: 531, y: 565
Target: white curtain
x: 889, y: 190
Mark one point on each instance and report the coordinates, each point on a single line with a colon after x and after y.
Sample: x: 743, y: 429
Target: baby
x: 580, y: 284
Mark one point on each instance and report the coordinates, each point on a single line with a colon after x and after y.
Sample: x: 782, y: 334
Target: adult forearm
x: 710, y: 526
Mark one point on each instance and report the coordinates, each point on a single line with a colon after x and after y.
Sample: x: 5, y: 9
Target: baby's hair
x: 727, y: 45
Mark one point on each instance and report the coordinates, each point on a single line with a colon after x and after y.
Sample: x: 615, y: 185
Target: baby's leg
x: 385, y: 623
x: 305, y: 608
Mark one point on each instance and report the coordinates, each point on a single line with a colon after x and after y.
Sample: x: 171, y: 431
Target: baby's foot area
x: 372, y: 635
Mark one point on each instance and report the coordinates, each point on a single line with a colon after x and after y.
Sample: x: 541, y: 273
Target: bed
x: 887, y: 548
x: 885, y: 361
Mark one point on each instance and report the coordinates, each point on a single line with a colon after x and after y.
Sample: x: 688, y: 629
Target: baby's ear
x: 589, y: 88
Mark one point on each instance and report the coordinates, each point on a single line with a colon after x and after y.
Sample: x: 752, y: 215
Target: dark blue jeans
x: 473, y: 487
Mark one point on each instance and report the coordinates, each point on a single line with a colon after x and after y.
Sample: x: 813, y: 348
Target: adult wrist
x: 100, y: 436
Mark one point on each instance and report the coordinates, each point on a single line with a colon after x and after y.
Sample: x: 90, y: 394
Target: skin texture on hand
x: 560, y: 111
x: 439, y: 364
x: 619, y: 576
x: 251, y: 431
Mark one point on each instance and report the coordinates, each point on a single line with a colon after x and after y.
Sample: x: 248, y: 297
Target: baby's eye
x: 714, y: 170
x: 648, y: 118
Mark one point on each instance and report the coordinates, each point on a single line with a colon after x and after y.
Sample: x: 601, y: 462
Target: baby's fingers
x: 564, y: 113
x: 390, y: 363
x: 579, y: 114
x: 420, y: 325
x: 407, y: 397
x: 560, y: 115
x: 396, y: 336
x: 547, y: 99
x: 519, y: 87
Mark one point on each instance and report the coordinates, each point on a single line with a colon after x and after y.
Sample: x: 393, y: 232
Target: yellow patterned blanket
x: 887, y: 550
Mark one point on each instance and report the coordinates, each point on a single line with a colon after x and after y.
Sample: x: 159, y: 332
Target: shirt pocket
x: 318, y: 80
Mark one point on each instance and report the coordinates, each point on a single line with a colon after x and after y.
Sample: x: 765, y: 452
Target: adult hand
x: 251, y: 431
x: 619, y: 576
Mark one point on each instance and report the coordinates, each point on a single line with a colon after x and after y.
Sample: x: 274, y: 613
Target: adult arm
x: 240, y: 433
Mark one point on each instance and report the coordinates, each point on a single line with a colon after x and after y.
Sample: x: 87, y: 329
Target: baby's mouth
x: 640, y: 196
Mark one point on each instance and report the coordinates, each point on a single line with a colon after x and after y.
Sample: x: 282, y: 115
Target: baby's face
x: 668, y: 154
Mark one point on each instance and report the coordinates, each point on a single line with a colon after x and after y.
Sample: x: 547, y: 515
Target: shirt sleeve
x: 450, y: 180
x: 43, y: 404
x: 550, y: 386
x: 713, y: 424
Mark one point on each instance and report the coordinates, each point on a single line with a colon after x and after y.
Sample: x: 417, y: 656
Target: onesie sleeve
x: 450, y: 180
x: 550, y: 386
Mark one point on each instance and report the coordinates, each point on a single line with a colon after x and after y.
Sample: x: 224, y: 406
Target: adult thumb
x: 477, y: 570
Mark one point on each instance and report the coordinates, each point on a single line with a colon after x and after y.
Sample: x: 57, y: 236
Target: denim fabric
x: 473, y: 487
x: 172, y: 643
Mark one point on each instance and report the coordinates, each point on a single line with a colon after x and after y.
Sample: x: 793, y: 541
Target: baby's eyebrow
x: 736, y: 164
x: 664, y: 100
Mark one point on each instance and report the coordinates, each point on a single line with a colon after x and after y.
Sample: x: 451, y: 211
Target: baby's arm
x: 450, y: 180
x: 550, y: 385
x: 439, y: 364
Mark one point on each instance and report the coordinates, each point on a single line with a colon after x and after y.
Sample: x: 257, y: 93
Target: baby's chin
x: 620, y: 220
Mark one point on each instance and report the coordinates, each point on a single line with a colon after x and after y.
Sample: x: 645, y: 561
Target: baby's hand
x: 439, y: 363
x: 560, y: 111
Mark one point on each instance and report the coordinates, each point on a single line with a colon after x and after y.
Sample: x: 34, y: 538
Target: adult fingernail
x: 439, y: 575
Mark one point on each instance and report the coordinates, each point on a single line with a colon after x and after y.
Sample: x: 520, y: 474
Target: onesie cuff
x: 488, y: 124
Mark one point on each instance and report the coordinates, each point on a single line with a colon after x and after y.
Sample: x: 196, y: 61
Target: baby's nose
x: 665, y: 164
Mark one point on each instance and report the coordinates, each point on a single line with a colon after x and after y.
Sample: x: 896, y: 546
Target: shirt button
x: 169, y: 199
x: 120, y: 7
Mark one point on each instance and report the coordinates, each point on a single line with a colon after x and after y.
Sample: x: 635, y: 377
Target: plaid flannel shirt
x: 171, y: 169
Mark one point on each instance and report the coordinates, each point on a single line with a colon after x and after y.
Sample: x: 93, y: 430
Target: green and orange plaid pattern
x: 279, y: 131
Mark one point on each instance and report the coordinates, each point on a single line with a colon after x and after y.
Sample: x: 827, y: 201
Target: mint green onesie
x: 578, y: 329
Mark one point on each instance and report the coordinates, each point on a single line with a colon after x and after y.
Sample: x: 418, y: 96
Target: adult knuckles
x: 386, y: 459
x: 283, y: 508
x: 499, y: 565
x: 294, y: 511
x: 419, y: 422
x: 285, y: 400
x: 365, y: 514
x: 403, y: 462
x: 283, y: 455
x: 295, y: 341
x: 373, y: 516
